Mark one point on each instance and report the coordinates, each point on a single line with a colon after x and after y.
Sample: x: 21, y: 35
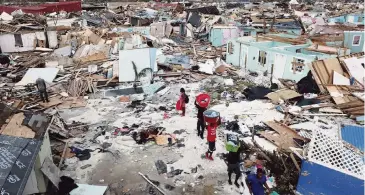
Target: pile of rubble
x: 113, y: 75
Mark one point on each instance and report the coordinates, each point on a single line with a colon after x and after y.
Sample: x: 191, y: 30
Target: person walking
x: 233, y: 162
x: 200, y: 123
x: 41, y: 86
x: 183, y: 101
x: 256, y: 183
x: 211, y: 136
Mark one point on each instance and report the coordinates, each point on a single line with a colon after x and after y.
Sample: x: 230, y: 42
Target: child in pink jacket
x: 182, y: 100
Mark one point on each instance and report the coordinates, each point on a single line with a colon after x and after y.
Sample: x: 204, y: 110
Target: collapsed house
x: 113, y: 76
x: 285, y: 57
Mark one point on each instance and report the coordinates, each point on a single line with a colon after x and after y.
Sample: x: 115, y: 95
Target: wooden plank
x: 294, y: 161
x: 15, y: 127
x: 333, y: 64
x: 283, y: 130
x: 52, y: 102
x: 357, y: 113
x: 354, y: 109
x: 312, y: 67
x: 338, y: 95
x: 351, y: 104
x: 63, y: 155
x: 322, y: 72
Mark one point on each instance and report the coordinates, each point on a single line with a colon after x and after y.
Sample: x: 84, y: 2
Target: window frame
x: 297, y: 61
x: 353, y: 39
x: 248, y: 34
x: 262, y: 61
x: 230, y: 48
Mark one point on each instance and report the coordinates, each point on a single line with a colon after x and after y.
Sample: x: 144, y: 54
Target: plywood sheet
x: 283, y: 94
x: 322, y: 71
x: 48, y: 74
x: 283, y: 130
x: 53, y: 101
x: 15, y: 127
x: 340, y: 95
x: 277, y: 140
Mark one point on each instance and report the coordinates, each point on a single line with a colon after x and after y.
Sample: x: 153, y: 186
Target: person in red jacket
x: 212, y: 135
x: 182, y: 100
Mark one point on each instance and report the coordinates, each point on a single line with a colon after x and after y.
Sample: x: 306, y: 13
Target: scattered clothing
x: 81, y: 154
x: 66, y: 185
x: 259, y: 92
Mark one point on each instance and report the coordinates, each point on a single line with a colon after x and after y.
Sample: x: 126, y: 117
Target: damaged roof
x: 17, y: 157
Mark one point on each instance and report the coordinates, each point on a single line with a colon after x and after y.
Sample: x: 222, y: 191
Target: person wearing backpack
x: 183, y: 100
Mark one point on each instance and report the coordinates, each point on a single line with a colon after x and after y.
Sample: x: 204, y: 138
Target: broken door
x: 243, y: 56
x: 279, y: 66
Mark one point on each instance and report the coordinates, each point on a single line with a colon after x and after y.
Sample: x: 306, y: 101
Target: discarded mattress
x: 256, y: 92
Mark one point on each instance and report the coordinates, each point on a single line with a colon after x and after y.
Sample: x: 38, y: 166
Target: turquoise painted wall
x: 216, y: 37
x: 356, y: 18
x: 234, y: 57
x: 339, y: 19
x: 289, y: 51
x: 348, y: 41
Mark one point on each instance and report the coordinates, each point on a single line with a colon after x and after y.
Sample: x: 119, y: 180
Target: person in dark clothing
x: 200, y: 123
x: 233, y: 163
x: 41, y: 86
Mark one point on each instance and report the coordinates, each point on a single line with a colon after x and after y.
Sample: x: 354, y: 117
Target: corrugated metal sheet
x: 71, y: 6
x: 353, y: 135
x: 316, y: 179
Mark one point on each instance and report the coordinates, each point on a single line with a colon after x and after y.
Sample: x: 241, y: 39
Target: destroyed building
x: 287, y: 80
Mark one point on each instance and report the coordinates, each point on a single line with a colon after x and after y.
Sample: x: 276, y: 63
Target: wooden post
x: 63, y: 155
x: 295, y: 161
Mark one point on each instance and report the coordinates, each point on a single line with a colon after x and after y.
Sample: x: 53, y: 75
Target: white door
x: 243, y: 56
x: 279, y: 66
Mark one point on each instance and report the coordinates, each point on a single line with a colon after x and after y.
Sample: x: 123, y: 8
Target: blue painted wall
x: 320, y: 180
x: 354, y: 135
x: 348, y: 41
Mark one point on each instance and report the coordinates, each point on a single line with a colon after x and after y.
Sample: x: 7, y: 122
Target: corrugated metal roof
x: 353, y: 135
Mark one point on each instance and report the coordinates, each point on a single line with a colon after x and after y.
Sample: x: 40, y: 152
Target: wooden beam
x: 294, y: 161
